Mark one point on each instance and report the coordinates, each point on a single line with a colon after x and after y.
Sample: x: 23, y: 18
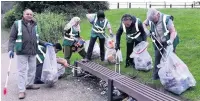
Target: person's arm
x: 12, y: 38
x: 118, y: 36
x: 62, y: 61
x: 145, y: 25
x: 143, y: 33
x: 172, y: 30
x: 109, y: 28
x: 91, y: 17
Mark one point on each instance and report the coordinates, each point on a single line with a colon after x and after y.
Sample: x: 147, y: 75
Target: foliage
x: 50, y: 26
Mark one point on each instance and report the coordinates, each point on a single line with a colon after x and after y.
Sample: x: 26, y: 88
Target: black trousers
x: 129, y: 50
x: 91, y: 46
x: 38, y: 74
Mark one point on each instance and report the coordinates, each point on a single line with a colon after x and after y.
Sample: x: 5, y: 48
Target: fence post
x: 192, y: 5
x: 118, y: 5
x: 165, y: 4
x: 146, y: 5
x: 129, y: 5
x: 150, y: 6
x: 185, y: 4
x: 170, y: 5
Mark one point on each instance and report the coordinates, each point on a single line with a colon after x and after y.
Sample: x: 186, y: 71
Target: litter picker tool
x: 8, y: 73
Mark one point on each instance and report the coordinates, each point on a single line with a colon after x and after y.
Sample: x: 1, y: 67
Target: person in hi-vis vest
x: 99, y: 23
x: 135, y: 33
x: 25, y: 38
x: 61, y: 62
x: 72, y: 39
x: 162, y: 27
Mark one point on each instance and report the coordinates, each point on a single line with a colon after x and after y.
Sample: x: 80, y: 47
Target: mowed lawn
x: 187, y: 24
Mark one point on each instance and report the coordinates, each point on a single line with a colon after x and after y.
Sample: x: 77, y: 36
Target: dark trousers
x: 68, y: 53
x: 158, y: 57
x: 91, y: 46
x: 129, y: 50
x: 38, y: 74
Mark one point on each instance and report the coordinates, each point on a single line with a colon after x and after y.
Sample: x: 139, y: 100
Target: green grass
x: 187, y: 24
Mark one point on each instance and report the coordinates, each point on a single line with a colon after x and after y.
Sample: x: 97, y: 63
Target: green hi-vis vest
x: 69, y: 41
x: 99, y: 28
x: 165, y: 19
x: 133, y: 33
x: 18, y: 44
x: 40, y: 54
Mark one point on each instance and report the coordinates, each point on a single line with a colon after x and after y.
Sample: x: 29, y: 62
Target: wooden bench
x: 129, y: 86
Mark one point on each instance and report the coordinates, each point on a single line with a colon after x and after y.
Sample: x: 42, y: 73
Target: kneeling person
x: 61, y: 63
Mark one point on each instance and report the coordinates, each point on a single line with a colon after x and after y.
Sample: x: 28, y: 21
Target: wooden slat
x: 133, y: 88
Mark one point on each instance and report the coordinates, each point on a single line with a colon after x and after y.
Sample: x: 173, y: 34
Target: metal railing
x: 117, y: 5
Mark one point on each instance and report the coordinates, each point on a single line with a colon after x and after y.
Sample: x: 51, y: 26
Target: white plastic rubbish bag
x: 174, y: 74
x: 111, y: 54
x: 96, y: 49
x: 61, y: 69
x: 142, y: 58
x: 49, y: 71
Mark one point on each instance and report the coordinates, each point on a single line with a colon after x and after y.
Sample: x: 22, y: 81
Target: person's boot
x: 22, y: 95
x: 32, y: 87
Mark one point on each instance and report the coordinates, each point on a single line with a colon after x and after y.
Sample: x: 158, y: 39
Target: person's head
x: 75, y: 21
x: 127, y: 20
x: 153, y: 15
x: 57, y: 47
x: 28, y: 14
x: 100, y: 15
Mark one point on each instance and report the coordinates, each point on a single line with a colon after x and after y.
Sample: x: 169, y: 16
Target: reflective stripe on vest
x: 43, y: 54
x: 166, y: 31
x: 19, y: 34
x: 136, y: 26
x: 137, y: 30
x: 71, y: 34
x: 99, y: 29
x: 165, y: 26
x: 38, y: 57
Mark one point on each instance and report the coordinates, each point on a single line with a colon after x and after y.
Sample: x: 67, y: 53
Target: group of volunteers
x: 30, y: 50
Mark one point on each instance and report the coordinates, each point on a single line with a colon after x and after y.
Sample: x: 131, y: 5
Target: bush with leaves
x: 68, y: 8
x: 50, y: 26
x: 11, y: 16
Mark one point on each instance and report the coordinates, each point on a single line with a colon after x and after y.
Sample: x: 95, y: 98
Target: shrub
x: 11, y: 16
x: 50, y: 26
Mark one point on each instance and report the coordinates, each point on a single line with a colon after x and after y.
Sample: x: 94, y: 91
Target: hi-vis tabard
x: 165, y: 19
x: 18, y: 44
x: 133, y: 35
x: 69, y: 41
x: 97, y: 28
x: 40, y: 54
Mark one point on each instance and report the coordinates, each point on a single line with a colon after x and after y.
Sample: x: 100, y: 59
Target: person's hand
x: 11, y: 54
x: 111, y: 34
x: 48, y: 44
x: 117, y: 47
x: 169, y: 42
x: 169, y: 49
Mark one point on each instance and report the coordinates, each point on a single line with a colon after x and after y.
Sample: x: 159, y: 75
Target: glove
x: 11, y: 54
x: 169, y: 42
x: 169, y: 49
x: 111, y: 34
x: 117, y: 47
x: 48, y: 44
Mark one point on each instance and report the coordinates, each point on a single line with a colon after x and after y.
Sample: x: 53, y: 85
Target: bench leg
x: 75, y: 70
x: 110, y: 90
